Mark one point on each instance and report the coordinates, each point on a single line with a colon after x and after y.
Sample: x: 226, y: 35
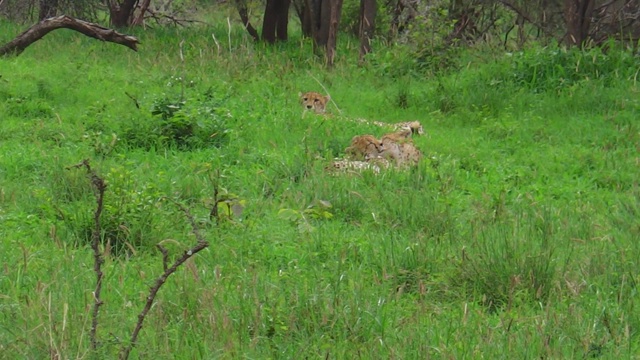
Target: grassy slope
x: 516, y: 237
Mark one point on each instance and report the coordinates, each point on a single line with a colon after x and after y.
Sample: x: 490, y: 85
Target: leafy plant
x: 318, y: 210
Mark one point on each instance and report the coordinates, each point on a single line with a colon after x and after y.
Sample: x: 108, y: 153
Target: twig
x: 135, y: 101
x: 183, y: 71
x: 153, y: 291
x: 100, y: 186
x: 165, y: 257
x: 214, y: 210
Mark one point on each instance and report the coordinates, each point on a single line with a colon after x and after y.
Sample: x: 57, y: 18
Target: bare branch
x: 153, y: 291
x: 100, y: 187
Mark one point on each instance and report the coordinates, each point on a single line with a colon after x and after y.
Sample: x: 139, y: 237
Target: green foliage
x: 319, y: 210
x: 519, y: 225
x: 184, y: 125
x: 553, y: 67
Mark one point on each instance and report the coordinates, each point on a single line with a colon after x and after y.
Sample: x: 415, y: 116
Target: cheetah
x: 363, y: 147
x: 314, y: 101
x: 415, y: 126
x: 352, y: 166
x: 318, y: 103
x: 399, y: 147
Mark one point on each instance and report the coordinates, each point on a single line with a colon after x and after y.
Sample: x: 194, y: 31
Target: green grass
x: 515, y: 237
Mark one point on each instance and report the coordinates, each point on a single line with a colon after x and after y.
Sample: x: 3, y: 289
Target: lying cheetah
x: 399, y: 147
x: 414, y: 126
x: 314, y: 101
x: 318, y: 103
x: 352, y: 166
x: 363, y: 147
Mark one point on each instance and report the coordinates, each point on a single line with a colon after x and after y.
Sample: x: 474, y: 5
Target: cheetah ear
x: 299, y: 94
x: 328, y: 97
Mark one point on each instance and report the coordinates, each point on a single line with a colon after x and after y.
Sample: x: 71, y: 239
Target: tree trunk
x: 138, y: 20
x: 367, y: 26
x: 37, y: 31
x: 276, y: 19
x: 244, y: 16
x: 577, y: 15
x: 121, y: 14
x: 47, y: 9
x: 304, y: 14
x: 334, y: 21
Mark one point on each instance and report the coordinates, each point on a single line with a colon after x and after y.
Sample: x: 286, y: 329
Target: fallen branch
x: 39, y: 30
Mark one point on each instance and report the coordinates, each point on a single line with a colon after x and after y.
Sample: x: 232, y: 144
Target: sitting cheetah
x: 314, y: 101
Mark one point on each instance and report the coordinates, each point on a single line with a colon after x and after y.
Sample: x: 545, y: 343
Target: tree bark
x: 276, y: 20
x: 304, y: 14
x: 121, y: 13
x: 577, y: 15
x: 367, y: 26
x: 322, y: 16
x: 334, y: 21
x: 39, y: 30
x: 138, y: 20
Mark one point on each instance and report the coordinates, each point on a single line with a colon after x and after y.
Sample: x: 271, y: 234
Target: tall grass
x: 515, y: 236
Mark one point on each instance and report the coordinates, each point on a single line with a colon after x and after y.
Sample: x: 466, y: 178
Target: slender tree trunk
x: 367, y: 26
x: 143, y: 9
x: 577, y: 15
x: 244, y: 16
x: 48, y: 9
x: 303, y: 10
x: 276, y: 19
x: 321, y: 14
x: 121, y: 13
x: 334, y: 21
x: 283, y: 21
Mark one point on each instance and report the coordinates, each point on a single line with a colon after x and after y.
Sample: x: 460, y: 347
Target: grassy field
x: 516, y: 237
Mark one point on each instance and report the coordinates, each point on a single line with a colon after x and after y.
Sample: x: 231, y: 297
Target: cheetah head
x: 314, y: 101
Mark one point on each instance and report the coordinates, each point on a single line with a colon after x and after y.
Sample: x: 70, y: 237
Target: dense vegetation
x: 515, y: 237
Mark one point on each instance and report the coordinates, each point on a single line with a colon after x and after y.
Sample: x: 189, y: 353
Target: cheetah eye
x: 305, y: 99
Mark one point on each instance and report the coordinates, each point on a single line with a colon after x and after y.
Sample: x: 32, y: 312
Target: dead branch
x: 153, y: 291
x: 174, y: 20
x: 39, y: 30
x: 100, y: 186
x: 525, y: 16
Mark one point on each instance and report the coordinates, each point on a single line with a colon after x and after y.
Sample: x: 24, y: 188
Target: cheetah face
x: 314, y: 101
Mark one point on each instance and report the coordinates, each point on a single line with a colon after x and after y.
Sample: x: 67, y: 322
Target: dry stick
x: 100, y: 187
x: 153, y: 291
x: 183, y: 71
x: 229, y: 33
x: 216, y: 41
